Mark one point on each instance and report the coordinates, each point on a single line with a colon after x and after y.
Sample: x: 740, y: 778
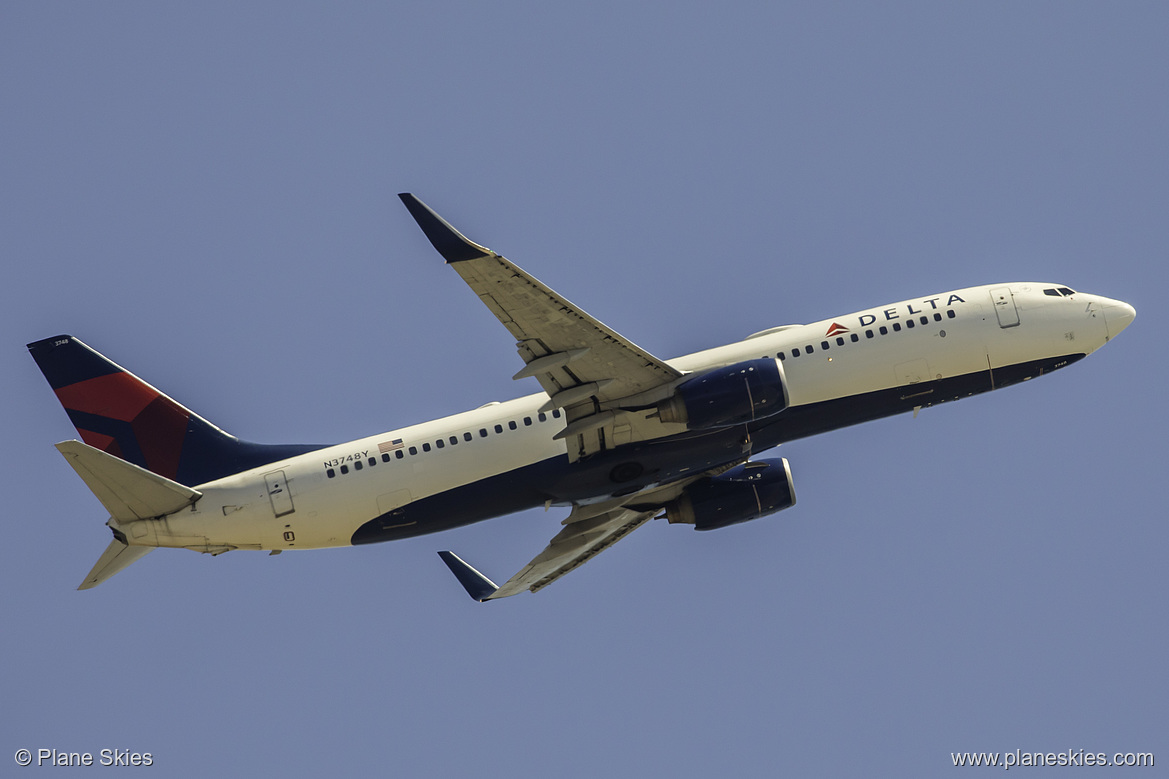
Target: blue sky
x: 206, y: 194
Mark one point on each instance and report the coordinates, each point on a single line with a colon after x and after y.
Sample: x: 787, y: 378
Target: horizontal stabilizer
x: 476, y: 584
x: 116, y: 557
x: 127, y: 491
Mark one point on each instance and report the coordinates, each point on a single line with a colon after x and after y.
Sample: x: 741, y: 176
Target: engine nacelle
x: 731, y: 395
x: 745, y: 492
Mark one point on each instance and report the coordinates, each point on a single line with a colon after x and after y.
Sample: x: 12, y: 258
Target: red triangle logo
x: 834, y: 328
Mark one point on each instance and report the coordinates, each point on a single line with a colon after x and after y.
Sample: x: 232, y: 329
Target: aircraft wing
x: 572, y: 547
x: 588, y: 531
x: 583, y: 365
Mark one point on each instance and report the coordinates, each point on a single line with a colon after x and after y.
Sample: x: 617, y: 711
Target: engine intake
x: 731, y: 395
x: 748, y: 491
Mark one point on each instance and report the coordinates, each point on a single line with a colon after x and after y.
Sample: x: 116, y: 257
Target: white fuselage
x: 320, y: 499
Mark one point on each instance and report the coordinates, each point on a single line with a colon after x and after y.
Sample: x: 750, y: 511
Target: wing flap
x: 572, y: 547
x: 545, y: 323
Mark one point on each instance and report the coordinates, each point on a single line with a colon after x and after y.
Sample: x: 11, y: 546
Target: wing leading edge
x: 586, y: 368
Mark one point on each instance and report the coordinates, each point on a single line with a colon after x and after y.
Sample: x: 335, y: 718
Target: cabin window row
x: 440, y: 443
x: 869, y: 333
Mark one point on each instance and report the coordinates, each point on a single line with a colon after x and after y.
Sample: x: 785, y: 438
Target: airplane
x: 617, y: 436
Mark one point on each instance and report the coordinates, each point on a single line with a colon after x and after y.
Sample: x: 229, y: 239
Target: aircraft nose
x: 1118, y: 315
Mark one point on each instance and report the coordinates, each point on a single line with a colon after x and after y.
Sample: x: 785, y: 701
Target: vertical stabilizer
x: 118, y: 413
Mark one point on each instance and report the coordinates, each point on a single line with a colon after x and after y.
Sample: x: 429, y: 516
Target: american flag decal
x: 384, y: 447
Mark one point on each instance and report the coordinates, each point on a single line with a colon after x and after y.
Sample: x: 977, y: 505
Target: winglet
x: 451, y: 244
x: 476, y: 584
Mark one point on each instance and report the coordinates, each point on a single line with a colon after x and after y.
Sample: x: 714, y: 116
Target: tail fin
x: 118, y: 413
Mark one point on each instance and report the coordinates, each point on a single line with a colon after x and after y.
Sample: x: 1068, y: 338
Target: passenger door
x: 1004, y: 306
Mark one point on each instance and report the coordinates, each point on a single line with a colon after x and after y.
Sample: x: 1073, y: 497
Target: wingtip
x: 450, y: 243
x: 478, y: 586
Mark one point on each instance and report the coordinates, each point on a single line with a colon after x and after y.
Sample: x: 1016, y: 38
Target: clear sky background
x: 206, y: 193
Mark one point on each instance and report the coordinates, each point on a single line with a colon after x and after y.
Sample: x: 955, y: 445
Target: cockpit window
x: 1053, y: 292
x: 1062, y: 291
x: 1066, y: 292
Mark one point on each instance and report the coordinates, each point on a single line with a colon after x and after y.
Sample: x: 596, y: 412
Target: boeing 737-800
x: 617, y: 436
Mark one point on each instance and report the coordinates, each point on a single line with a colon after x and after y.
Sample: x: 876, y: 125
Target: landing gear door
x: 1004, y: 306
x: 279, y: 493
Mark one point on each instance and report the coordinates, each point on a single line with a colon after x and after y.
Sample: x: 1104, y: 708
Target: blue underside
x: 629, y: 468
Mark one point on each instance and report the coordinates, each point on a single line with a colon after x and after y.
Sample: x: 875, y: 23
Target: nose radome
x: 1118, y: 315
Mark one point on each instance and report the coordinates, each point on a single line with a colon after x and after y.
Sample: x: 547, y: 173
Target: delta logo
x: 835, y: 329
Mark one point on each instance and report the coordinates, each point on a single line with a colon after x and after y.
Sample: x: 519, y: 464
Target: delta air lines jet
x: 617, y: 436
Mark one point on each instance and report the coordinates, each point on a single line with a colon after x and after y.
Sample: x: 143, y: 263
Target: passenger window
x: 951, y: 313
x: 399, y: 454
x: 413, y: 450
x: 896, y: 327
x: 782, y: 355
x: 511, y: 425
x: 499, y: 428
x: 937, y: 317
x: 344, y: 469
x: 868, y: 333
x: 824, y: 345
x: 925, y: 320
x: 884, y: 330
x: 482, y: 432
x: 330, y: 473
x: 357, y: 465
x: 466, y: 436
x: 795, y: 352
x: 527, y: 421
x: 556, y: 413
x: 386, y: 457
x: 854, y: 337
x: 426, y: 447
x: 840, y: 341
x: 808, y: 349
x: 454, y: 440
x: 439, y: 443
x: 910, y: 323
x: 543, y: 417
x: 372, y: 461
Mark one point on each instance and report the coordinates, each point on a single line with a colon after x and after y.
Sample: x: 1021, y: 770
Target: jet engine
x: 731, y: 395
x: 747, y: 491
